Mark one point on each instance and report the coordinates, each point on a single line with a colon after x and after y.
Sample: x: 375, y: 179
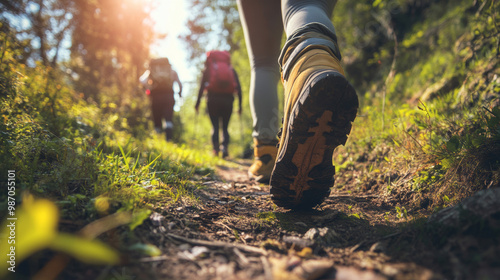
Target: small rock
x: 156, y: 219
x: 247, y: 237
x: 482, y: 205
x: 298, y: 242
x: 324, y: 236
x: 192, y: 253
x: 197, y: 251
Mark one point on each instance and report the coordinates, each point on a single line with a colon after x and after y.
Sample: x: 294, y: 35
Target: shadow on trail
x: 340, y: 230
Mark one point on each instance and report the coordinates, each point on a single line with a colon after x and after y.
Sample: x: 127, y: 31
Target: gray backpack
x: 161, y: 73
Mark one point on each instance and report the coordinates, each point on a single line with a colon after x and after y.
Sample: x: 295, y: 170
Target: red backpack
x: 221, y: 77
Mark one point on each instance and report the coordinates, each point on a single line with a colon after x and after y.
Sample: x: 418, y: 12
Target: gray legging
x: 263, y: 29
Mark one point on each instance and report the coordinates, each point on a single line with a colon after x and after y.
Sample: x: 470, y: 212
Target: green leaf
x: 35, y: 228
x: 147, y: 249
x: 136, y: 162
x: 125, y: 157
x: 138, y: 218
x: 149, y: 164
x: 88, y: 251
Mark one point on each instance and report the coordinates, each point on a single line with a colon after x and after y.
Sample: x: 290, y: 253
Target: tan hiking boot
x: 320, y: 105
x: 265, y: 155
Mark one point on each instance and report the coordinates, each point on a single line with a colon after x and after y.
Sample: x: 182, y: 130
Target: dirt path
x: 236, y: 232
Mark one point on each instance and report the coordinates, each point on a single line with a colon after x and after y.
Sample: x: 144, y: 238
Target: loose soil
x: 235, y: 232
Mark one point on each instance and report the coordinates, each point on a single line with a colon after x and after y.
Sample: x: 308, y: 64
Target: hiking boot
x: 215, y: 152
x: 265, y: 155
x: 224, y: 151
x: 320, y: 105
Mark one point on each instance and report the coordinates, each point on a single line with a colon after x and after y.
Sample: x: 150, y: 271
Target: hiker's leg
x: 169, y: 113
x: 319, y: 108
x: 306, y: 22
x: 156, y: 111
x: 213, y: 113
x: 299, y: 14
x: 263, y: 28
x: 226, y: 111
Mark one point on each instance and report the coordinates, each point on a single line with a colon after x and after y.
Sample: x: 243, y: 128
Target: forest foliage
x: 76, y: 127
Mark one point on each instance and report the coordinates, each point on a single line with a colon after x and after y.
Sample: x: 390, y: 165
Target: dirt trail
x: 237, y: 233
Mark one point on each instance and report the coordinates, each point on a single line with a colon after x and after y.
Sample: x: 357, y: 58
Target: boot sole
x: 319, y: 122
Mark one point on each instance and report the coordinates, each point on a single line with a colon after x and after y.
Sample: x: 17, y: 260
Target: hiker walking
x: 158, y: 81
x: 320, y: 103
x: 221, y: 82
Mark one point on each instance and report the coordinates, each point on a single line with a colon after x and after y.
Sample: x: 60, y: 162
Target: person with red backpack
x: 221, y: 82
x: 158, y: 81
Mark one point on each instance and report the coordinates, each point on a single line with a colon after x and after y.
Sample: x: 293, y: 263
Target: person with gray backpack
x: 158, y: 81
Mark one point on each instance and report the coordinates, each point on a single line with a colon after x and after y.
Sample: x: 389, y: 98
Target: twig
x: 225, y: 226
x: 231, y: 230
x: 242, y: 239
x: 219, y: 244
x: 154, y: 259
x: 243, y: 258
x: 267, y: 268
